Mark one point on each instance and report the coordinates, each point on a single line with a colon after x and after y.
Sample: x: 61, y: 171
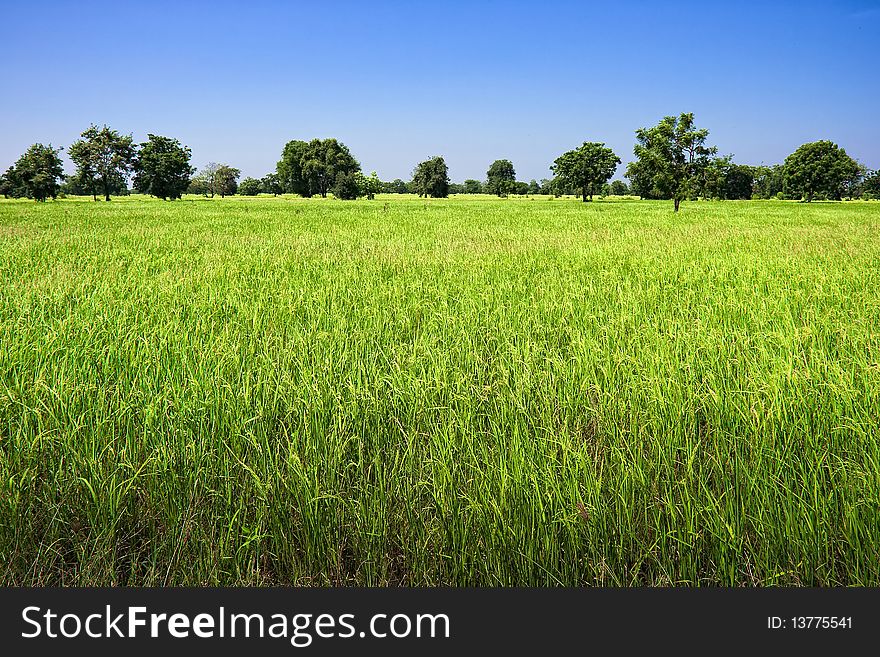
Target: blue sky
x: 472, y: 81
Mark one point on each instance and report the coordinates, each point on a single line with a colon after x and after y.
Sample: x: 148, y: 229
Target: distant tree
x: 10, y: 184
x: 272, y: 184
x: 206, y: 179
x: 738, y: 181
x: 671, y: 158
x: 501, y: 178
x: 162, y: 167
x: 456, y: 188
x: 767, y: 181
x: 431, y: 178
x: 520, y: 188
x: 103, y: 157
x: 619, y: 188
x: 347, y: 186
x: 472, y: 186
x: 371, y: 185
x: 250, y: 187
x: 586, y: 168
x: 289, y: 168
x: 396, y: 186
x: 534, y: 187
x: 37, y: 174
x: 820, y: 168
x: 546, y: 186
x: 871, y: 185
x: 311, y: 168
x: 198, y: 185
x: 226, y: 180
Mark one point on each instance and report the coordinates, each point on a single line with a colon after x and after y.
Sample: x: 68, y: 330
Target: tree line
x: 673, y: 161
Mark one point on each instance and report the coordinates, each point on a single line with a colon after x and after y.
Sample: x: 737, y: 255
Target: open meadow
x: 463, y: 391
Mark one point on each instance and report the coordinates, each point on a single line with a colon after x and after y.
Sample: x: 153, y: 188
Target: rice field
x: 472, y: 391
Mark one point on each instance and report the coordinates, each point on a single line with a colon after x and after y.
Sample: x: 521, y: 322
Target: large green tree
x: 103, y: 159
x: 226, y: 180
x: 670, y: 159
x: 820, y: 168
x: 472, y: 186
x: 586, y: 168
x: 37, y: 174
x: 311, y: 168
x: 431, y: 178
x: 501, y: 178
x: 162, y: 167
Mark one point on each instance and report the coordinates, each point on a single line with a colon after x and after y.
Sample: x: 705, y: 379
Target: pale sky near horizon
x: 473, y: 81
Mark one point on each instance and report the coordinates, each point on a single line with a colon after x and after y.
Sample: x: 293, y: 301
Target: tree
x: 250, y: 187
x: 501, y: 178
x: 37, y: 174
x: 671, y: 158
x: 10, y: 184
x: 226, y: 180
x: 586, y: 168
x: 520, y: 188
x: 472, y: 186
x: 206, y: 179
x: 767, y: 182
x: 162, y: 167
x: 103, y: 158
x: 534, y: 187
x: 370, y: 185
x: 347, y: 186
x: 272, y: 184
x: 820, y: 168
x: 396, y: 186
x: 619, y: 188
x: 311, y: 168
x: 871, y: 185
x: 431, y: 178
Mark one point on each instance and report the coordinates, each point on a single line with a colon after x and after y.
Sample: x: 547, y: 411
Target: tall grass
x: 462, y: 392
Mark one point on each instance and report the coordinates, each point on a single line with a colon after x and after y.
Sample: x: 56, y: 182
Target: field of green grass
x: 461, y: 392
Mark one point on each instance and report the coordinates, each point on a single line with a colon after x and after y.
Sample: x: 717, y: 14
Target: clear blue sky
x: 472, y: 81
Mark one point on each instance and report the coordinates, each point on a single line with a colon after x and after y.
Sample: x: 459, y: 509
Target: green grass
x: 462, y: 392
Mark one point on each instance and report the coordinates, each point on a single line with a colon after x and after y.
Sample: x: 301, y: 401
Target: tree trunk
x: 584, y: 193
x: 677, y: 204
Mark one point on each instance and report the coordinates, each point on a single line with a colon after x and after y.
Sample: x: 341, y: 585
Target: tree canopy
x: 312, y: 168
x: 103, y: 160
x: 820, y: 168
x: 500, y: 178
x: 37, y: 174
x: 162, y: 167
x: 586, y: 168
x: 431, y: 178
x: 670, y: 159
x: 250, y: 187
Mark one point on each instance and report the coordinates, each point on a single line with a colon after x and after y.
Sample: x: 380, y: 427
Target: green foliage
x: 37, y: 174
x: 347, y: 186
x: 250, y: 187
x: 534, y: 187
x: 370, y: 185
x: 501, y: 178
x: 396, y: 186
x: 671, y: 159
x: 819, y: 169
x: 619, y: 188
x: 162, y: 167
x: 431, y: 178
x: 272, y: 184
x: 586, y: 168
x: 472, y: 186
x: 103, y: 160
x: 226, y: 180
x: 311, y: 168
x: 768, y: 182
